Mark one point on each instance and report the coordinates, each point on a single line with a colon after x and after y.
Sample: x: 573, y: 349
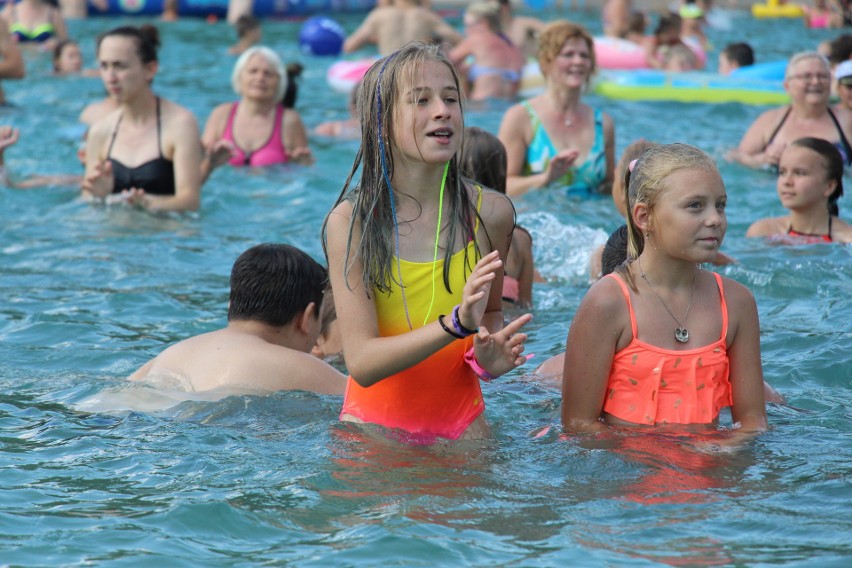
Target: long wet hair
x: 833, y: 162
x: 373, y: 202
x: 645, y: 182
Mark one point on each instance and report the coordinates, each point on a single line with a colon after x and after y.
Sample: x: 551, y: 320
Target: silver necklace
x: 681, y: 334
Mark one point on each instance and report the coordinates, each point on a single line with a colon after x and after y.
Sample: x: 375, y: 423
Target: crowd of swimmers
x: 421, y: 245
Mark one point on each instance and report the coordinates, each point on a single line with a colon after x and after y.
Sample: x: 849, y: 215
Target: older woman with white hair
x: 808, y: 82
x: 258, y: 130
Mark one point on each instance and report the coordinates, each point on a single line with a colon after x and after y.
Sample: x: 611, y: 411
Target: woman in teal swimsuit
x: 554, y: 138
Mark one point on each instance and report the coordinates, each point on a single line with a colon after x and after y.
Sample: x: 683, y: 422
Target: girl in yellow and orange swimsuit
x: 416, y: 258
x: 661, y: 341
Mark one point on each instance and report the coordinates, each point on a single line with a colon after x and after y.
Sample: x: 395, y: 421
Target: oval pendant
x: 682, y: 335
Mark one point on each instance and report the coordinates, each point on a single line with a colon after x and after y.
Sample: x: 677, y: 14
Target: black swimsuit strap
x: 846, y: 147
x: 118, y: 123
x: 778, y: 128
x: 114, y: 134
x: 792, y: 231
x: 159, y: 142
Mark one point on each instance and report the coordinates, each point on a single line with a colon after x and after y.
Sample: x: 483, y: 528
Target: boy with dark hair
x: 735, y: 56
x: 273, y: 322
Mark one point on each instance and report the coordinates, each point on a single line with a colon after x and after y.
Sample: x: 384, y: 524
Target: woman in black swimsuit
x: 808, y: 82
x: 148, y: 152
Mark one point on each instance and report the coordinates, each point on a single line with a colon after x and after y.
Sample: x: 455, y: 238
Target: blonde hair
x: 553, y: 38
x: 271, y: 58
x: 488, y: 12
x: 647, y: 182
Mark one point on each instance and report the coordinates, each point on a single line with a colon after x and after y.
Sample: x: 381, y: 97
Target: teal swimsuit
x: 587, y: 176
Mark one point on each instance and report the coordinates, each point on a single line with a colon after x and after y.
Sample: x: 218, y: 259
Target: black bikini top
x: 842, y: 146
x: 156, y: 176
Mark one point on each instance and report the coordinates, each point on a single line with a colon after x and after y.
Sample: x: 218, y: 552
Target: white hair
x: 804, y: 56
x: 271, y: 58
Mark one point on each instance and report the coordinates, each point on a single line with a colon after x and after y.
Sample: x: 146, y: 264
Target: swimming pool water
x: 88, y: 293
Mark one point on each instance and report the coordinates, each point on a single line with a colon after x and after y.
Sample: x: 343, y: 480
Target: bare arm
x: 183, y: 129
x: 98, y: 180
x: 591, y: 345
x: 59, y: 26
x: 445, y: 31
x: 364, y: 35
x: 746, y: 372
x: 460, y: 52
x: 295, y: 137
x: 523, y: 241
x: 515, y: 135
x: 11, y: 61
x: 215, y: 149
x: 753, y: 150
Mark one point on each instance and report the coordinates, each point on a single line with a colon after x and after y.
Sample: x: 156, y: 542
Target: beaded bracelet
x: 448, y: 330
x: 470, y: 359
x: 460, y: 329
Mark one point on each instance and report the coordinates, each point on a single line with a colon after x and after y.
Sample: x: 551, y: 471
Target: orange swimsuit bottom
x: 651, y: 385
x: 440, y: 396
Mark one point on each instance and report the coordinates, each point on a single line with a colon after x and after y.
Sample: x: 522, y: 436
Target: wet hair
x: 740, y: 53
x: 488, y: 12
x: 483, y: 159
x: 274, y: 283
x: 379, y: 98
x: 271, y: 57
x: 615, y: 251
x: 622, y: 173
x: 553, y: 37
x: 804, y: 56
x: 833, y: 166
x: 647, y: 182
x: 146, y: 37
x: 57, y: 51
x: 245, y: 24
x: 637, y: 22
x: 840, y: 49
x: 294, y: 71
x: 668, y: 22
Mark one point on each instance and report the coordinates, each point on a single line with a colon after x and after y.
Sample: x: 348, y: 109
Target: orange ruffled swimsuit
x: 440, y: 396
x: 651, y: 385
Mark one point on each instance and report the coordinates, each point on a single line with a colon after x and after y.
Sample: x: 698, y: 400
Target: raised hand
x: 8, y: 136
x: 219, y: 153
x: 477, y: 288
x: 500, y: 352
x: 560, y: 164
x: 101, y: 181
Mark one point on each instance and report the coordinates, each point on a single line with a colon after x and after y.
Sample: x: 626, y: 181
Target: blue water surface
x: 88, y: 293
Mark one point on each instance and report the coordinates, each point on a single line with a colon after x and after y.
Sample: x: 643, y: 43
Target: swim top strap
x: 724, y: 305
x: 626, y: 293
x: 847, y: 149
x: 114, y: 134
x: 159, y: 142
x: 778, y: 128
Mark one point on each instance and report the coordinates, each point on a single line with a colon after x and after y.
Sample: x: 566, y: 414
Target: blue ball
x: 321, y: 36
